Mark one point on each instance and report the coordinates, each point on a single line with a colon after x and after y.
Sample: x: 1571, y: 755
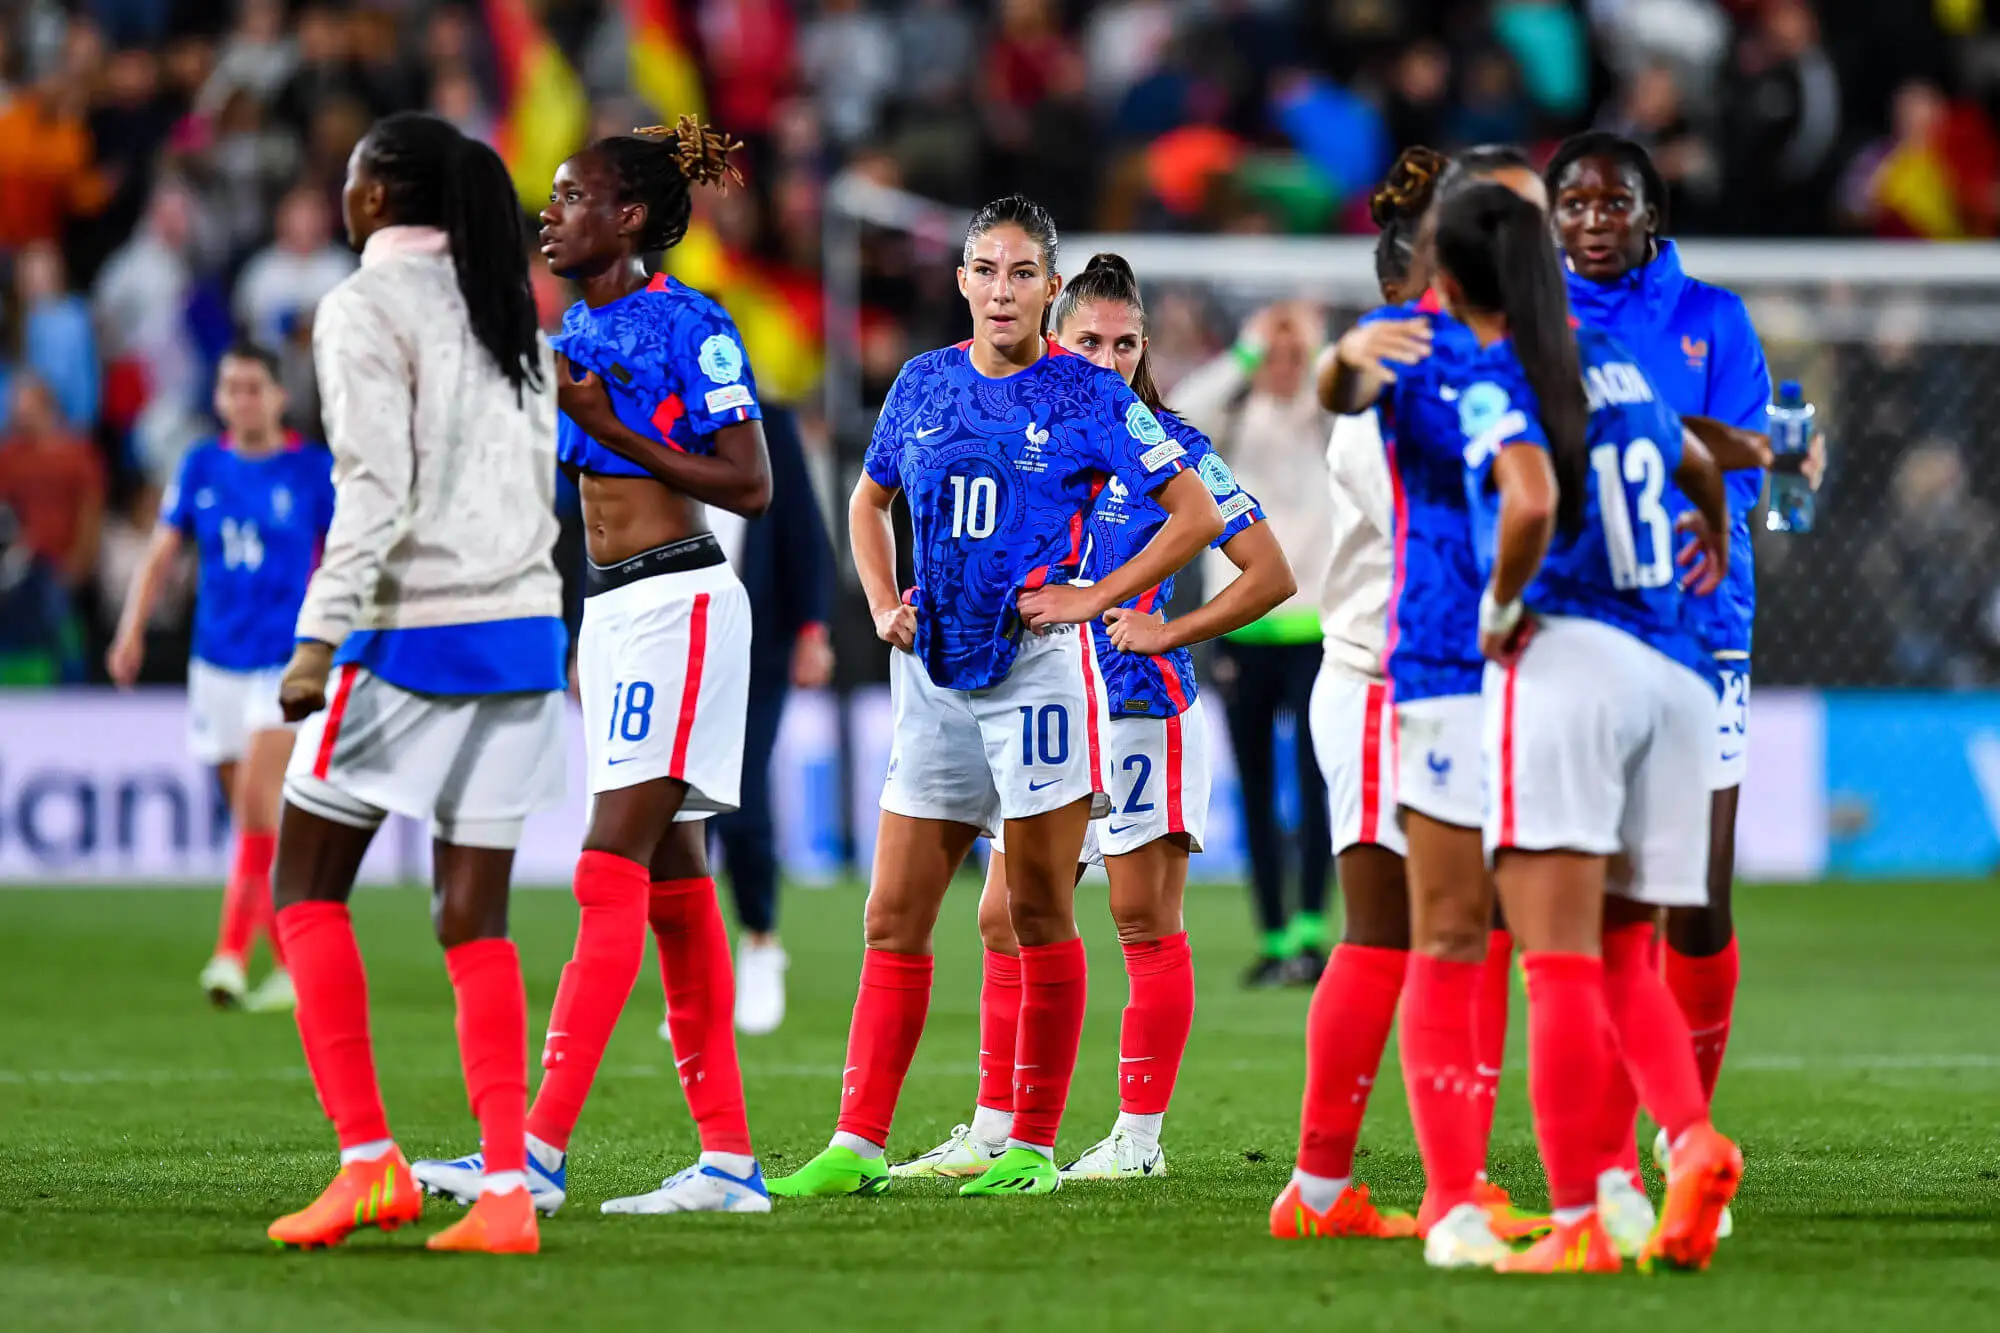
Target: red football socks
x: 1706, y: 991
x: 596, y: 982
x: 1652, y: 1034
x: 493, y: 1046
x: 1153, y: 1032
x: 700, y: 981
x: 889, y: 1012
x: 246, y: 900
x: 1441, y: 1076
x: 1489, y: 1023
x: 999, y: 1025
x: 1569, y: 1056
x: 1054, y: 989
x: 332, y: 1016
x: 1346, y: 1029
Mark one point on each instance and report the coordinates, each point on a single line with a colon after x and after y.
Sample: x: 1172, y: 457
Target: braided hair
x: 1109, y: 277
x: 434, y: 176
x: 1398, y: 206
x: 658, y: 166
x: 1626, y: 153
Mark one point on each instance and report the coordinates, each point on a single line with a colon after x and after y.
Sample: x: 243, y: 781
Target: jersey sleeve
x: 1132, y: 444
x: 177, y: 511
x: 883, y: 461
x: 1739, y: 380
x: 1496, y: 410
x: 1239, y: 507
x: 715, y: 383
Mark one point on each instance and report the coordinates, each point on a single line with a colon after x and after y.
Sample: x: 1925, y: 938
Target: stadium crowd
x: 169, y: 175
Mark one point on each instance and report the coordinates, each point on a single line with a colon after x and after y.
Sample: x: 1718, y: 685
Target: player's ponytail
x: 1109, y: 277
x: 1397, y: 207
x: 657, y: 165
x: 434, y: 176
x: 1495, y: 246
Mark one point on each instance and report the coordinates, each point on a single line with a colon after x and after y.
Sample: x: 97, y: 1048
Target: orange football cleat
x: 1580, y: 1247
x: 1351, y: 1215
x: 1508, y: 1222
x: 496, y: 1224
x: 1707, y: 1168
x: 379, y: 1193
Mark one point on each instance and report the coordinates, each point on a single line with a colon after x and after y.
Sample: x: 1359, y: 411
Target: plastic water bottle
x: 1790, y: 423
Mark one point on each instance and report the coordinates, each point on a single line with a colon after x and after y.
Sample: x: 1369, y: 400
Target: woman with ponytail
x: 1598, y: 699
x: 660, y: 421
x: 1157, y: 746
x: 437, y: 601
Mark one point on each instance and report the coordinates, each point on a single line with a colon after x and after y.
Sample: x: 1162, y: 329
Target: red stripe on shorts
x: 1175, y: 822
x: 334, y: 713
x: 1507, y: 755
x: 691, y: 688
x: 1371, y: 764
x: 1090, y: 710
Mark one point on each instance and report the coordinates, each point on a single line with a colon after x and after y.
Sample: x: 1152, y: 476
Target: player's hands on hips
x: 584, y: 399
x: 124, y: 658
x: 1379, y: 347
x: 1143, y: 632
x: 897, y: 626
x: 1060, y: 604
x: 302, y: 690
x: 812, y: 657
x: 1504, y: 648
x: 1704, y: 557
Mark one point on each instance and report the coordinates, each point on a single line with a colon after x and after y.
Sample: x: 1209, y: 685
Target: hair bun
x: 1406, y: 191
x: 1115, y: 263
x: 701, y: 151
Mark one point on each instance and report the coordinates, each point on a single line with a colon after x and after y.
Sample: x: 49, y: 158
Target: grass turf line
x: 148, y: 1141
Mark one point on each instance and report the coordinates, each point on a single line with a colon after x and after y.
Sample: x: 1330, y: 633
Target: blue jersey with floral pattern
x: 1121, y: 525
x: 673, y: 365
x: 1000, y: 476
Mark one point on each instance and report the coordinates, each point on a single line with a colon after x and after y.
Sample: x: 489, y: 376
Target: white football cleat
x: 760, y: 987
x: 459, y: 1179
x: 699, y: 1189
x: 1626, y: 1212
x: 959, y: 1157
x: 274, y: 994
x: 1463, y: 1238
x: 1118, y: 1157
x: 1663, y: 1157
x: 224, y: 981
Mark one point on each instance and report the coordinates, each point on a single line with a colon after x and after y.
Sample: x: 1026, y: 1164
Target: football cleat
x: 1018, y: 1171
x: 1118, y: 1157
x: 274, y: 994
x: 1578, y: 1247
x: 699, y: 1189
x: 502, y: 1223
x: 1626, y: 1212
x: 223, y: 981
x: 377, y: 1193
x: 1464, y: 1238
x: 959, y: 1157
x: 1663, y: 1157
x: 1351, y: 1215
x: 1707, y: 1170
x: 459, y: 1179
x: 834, y: 1173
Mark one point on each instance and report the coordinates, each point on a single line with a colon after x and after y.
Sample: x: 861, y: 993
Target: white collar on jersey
x: 395, y: 242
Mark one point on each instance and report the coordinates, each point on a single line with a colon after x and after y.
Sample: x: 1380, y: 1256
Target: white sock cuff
x: 991, y: 1126
x: 1048, y: 1151
x: 499, y: 1182
x: 372, y: 1151
x: 856, y: 1144
x: 737, y: 1164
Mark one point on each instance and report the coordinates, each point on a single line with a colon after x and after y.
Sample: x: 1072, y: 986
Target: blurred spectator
x: 849, y: 54
x: 129, y: 122
x: 1783, y: 126
x: 281, y: 284
x: 142, y: 301
x: 1934, y: 570
x: 47, y: 167
x: 1124, y: 42
x: 1933, y: 177
x: 455, y: 95
x: 1546, y: 39
x: 1651, y: 112
x: 53, y: 481
x: 37, y: 644
x: 57, y: 342
x: 128, y: 532
x: 251, y: 161
x: 257, y: 58
x: 326, y: 73
x: 747, y: 46
x: 1418, y: 91
x: 1492, y: 108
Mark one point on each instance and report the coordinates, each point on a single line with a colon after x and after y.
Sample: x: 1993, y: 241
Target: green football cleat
x: 833, y: 1174
x: 1019, y: 1171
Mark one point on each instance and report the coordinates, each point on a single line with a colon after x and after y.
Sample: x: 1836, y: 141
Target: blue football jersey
x: 257, y: 524
x: 1000, y: 476
x: 1120, y: 527
x: 1617, y: 566
x: 673, y: 365
x: 1433, y: 630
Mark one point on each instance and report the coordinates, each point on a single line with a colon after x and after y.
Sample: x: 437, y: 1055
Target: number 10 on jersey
x: 975, y: 506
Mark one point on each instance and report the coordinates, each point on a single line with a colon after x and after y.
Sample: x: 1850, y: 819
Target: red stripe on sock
x: 1153, y: 1031
x: 335, y: 713
x: 1489, y: 1025
x: 1176, y: 821
x: 1054, y: 989
x: 700, y: 980
x: 1347, y: 1028
x: 1568, y: 1060
x: 1706, y: 991
x: 332, y: 1015
x: 1652, y: 1033
x: 999, y: 1025
x: 1371, y: 768
x: 691, y: 687
x: 493, y: 1046
x: 889, y: 1011
x: 1441, y: 1076
x: 596, y: 982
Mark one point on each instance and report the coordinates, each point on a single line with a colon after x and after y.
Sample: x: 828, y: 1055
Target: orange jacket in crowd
x: 46, y: 171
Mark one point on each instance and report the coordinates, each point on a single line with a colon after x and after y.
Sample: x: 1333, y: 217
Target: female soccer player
x: 256, y: 503
x: 1001, y: 448
x: 659, y: 418
x: 1158, y: 748
x: 1696, y: 343
x: 1433, y: 666
x: 1594, y: 734
x: 439, y: 603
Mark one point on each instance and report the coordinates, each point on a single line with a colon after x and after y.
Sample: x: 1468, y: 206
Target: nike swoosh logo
x: 926, y: 434
x: 684, y: 1059
x: 626, y: 760
x: 849, y: 1070
x: 1037, y: 786
x: 1732, y: 756
x: 1120, y: 828
x: 1135, y: 1059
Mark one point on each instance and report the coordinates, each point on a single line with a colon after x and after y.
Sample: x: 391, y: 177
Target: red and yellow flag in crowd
x: 544, y: 115
x: 664, y: 73
x: 780, y: 316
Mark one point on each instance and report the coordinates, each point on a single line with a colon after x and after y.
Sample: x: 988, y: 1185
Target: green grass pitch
x: 146, y: 1141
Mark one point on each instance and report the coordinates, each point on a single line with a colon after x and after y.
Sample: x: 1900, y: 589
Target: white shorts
x: 1354, y: 735
x: 663, y: 665
x: 1732, y: 727
x: 226, y: 708
x: 1159, y: 783
x: 476, y: 766
x: 1030, y: 744
x: 1599, y: 744
x: 1438, y: 770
